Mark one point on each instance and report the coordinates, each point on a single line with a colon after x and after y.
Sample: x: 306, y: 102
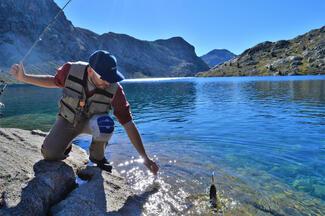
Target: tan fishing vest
x: 74, y: 103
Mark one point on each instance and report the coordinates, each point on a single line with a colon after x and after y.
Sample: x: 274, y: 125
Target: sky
x: 235, y: 25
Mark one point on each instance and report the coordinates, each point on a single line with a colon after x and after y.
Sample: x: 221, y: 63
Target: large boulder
x: 30, y: 185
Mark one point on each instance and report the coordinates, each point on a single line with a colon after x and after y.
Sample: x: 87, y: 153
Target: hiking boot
x: 102, y: 164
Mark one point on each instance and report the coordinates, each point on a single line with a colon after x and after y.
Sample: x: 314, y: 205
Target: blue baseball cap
x: 105, y: 65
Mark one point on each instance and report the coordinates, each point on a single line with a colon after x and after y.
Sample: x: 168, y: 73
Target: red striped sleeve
x: 121, y: 106
x: 61, y: 74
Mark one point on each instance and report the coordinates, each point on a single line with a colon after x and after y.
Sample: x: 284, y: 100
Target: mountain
x: 217, y: 56
x: 22, y: 21
x: 305, y: 54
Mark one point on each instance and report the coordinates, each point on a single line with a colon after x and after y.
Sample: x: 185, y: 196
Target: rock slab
x: 30, y: 185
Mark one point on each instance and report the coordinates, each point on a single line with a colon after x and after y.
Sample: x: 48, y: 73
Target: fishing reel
x: 3, y: 86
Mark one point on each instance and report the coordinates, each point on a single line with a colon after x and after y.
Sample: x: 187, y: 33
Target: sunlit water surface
x: 263, y: 138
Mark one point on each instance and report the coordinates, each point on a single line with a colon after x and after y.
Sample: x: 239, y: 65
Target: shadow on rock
x: 87, y: 199
x: 51, y: 183
x: 102, y: 194
x: 134, y: 204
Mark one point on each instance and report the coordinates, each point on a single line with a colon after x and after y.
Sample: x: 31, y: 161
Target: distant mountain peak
x: 217, y: 56
x: 219, y: 50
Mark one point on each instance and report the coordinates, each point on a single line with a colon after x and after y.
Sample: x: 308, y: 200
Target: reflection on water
x: 263, y: 138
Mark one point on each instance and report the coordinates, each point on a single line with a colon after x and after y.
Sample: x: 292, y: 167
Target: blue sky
x: 207, y: 24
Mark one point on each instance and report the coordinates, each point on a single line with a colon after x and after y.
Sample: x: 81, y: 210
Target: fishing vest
x: 75, y: 104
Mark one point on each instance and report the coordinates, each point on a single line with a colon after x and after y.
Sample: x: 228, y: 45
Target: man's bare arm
x: 18, y: 71
x: 135, y: 139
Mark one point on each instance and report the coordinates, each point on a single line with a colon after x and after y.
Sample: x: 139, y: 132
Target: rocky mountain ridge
x: 20, y: 26
x: 305, y: 54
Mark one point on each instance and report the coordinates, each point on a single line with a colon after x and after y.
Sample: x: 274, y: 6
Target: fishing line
x: 4, y: 83
x: 44, y: 31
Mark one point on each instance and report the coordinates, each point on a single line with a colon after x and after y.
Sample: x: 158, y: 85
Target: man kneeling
x: 90, y: 91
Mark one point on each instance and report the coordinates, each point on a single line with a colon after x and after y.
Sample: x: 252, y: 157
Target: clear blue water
x: 262, y: 136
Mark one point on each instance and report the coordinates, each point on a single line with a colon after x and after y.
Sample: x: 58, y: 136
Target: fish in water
x: 213, y: 193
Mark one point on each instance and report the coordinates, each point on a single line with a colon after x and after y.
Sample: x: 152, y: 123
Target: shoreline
x: 162, y: 79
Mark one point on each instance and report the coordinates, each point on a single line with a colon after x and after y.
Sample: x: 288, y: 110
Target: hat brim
x: 113, y: 77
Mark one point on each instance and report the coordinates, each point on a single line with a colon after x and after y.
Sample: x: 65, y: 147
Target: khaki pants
x: 57, y: 143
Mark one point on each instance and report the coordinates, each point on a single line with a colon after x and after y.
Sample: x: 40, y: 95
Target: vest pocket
x: 67, y: 108
x: 72, y: 92
x: 97, y: 107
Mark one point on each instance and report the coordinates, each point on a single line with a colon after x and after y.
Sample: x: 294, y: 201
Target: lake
x: 263, y: 137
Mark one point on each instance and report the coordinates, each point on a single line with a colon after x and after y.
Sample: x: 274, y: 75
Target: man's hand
x: 18, y: 71
x: 136, y: 140
x: 151, y: 165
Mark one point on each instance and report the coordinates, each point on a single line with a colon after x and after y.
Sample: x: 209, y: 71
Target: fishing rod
x: 4, y: 83
x: 44, y: 31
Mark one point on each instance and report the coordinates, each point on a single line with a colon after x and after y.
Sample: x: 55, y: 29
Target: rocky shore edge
x: 30, y: 185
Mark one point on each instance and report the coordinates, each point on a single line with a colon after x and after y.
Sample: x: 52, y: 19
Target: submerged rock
x: 30, y: 185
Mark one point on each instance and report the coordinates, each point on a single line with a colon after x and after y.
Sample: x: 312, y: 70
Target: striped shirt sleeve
x: 121, y: 106
x: 61, y: 75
